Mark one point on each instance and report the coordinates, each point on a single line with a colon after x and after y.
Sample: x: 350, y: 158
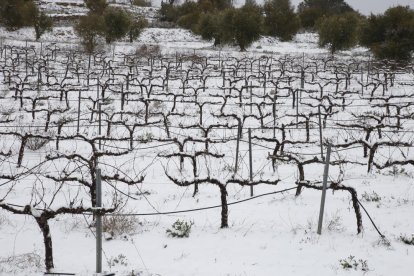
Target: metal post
x: 89, y: 67
x: 98, y: 222
x: 79, y: 107
x: 236, y: 166
x: 302, y: 79
x: 274, y: 113
x: 26, y: 50
x: 219, y: 58
x: 297, y: 108
x: 122, y: 99
x: 100, y: 125
x: 5, y: 54
x: 250, y: 88
x: 320, y: 131
x: 250, y: 160
x: 325, y: 183
x: 38, y: 77
x: 97, y: 89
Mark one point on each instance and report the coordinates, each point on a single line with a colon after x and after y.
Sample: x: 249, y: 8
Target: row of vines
x: 64, y: 115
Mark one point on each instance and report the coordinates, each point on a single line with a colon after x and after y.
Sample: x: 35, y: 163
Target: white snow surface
x: 271, y: 235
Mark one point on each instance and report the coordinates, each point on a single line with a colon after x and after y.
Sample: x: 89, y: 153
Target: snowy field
x: 187, y: 90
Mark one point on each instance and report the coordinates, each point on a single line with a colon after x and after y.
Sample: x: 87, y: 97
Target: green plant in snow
x: 407, y: 240
x: 352, y: 263
x: 180, y: 229
x: 121, y: 259
x: 371, y: 197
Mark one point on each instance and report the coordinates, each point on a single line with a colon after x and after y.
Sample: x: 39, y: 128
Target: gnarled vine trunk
x: 43, y: 224
x: 224, y: 207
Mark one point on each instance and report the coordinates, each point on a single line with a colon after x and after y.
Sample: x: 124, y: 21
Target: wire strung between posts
x: 93, y: 233
x: 373, y: 223
x: 217, y: 206
x: 197, y: 209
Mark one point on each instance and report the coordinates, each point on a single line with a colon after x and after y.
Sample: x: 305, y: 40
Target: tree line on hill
x: 110, y: 23
x: 15, y: 14
x: 340, y: 27
x: 102, y: 21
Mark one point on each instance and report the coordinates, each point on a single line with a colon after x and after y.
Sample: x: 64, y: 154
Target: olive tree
x: 117, y: 23
x: 390, y: 35
x: 41, y: 23
x: 310, y: 11
x: 247, y: 24
x: 136, y: 27
x: 96, y: 6
x: 338, y: 32
x: 89, y: 28
x: 15, y: 14
x: 280, y: 20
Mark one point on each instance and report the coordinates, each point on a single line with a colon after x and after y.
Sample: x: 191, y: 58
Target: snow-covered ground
x: 269, y: 235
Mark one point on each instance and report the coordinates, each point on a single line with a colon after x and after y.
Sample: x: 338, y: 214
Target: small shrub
x: 371, y: 197
x: 75, y: 223
x: 352, y: 263
x: 21, y: 263
x: 147, y: 51
x: 228, y: 168
x: 6, y: 111
x: 120, y: 260
x: 36, y: 143
x: 157, y: 106
x: 334, y: 223
x: 407, y: 240
x: 145, y: 137
x: 396, y: 171
x: 118, y: 226
x: 383, y: 241
x: 141, y: 3
x: 180, y: 229
x: 3, y: 219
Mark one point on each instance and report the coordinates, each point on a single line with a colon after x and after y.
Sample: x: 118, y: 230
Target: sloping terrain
x: 150, y: 108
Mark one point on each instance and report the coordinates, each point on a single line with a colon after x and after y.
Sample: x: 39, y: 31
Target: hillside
x: 230, y: 144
